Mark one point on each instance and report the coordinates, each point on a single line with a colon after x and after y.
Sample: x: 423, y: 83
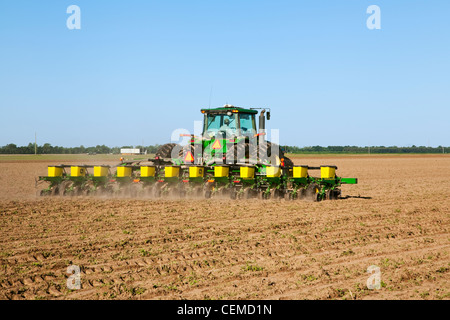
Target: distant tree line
x: 372, y: 149
x: 47, y: 148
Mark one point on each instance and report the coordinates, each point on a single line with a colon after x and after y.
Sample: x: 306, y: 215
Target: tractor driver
x: 226, y: 128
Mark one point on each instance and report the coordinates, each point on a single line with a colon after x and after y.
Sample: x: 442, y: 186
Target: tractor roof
x: 228, y: 108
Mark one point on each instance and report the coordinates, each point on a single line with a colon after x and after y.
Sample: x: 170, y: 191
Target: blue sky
x: 137, y: 70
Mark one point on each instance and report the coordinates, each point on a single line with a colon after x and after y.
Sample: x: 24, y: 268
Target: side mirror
x: 268, y: 115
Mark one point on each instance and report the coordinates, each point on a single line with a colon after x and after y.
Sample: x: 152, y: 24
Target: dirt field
x: 224, y: 249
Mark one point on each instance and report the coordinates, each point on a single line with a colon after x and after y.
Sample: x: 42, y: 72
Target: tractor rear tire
x: 243, y: 151
x: 242, y: 154
x: 269, y: 152
x: 272, y: 157
x: 165, y: 151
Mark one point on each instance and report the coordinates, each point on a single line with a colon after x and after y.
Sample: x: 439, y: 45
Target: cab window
x: 247, y: 124
x: 216, y: 122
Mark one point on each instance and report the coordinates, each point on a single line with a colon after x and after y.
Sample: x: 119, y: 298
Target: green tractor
x: 231, y: 158
x: 229, y: 137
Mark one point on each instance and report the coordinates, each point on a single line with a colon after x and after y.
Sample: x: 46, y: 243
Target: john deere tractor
x: 231, y: 158
x: 229, y: 136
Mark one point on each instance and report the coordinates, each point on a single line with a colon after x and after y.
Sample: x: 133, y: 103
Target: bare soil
x: 397, y: 218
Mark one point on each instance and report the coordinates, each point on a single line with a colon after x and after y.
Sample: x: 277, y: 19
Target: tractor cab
x: 229, y: 121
